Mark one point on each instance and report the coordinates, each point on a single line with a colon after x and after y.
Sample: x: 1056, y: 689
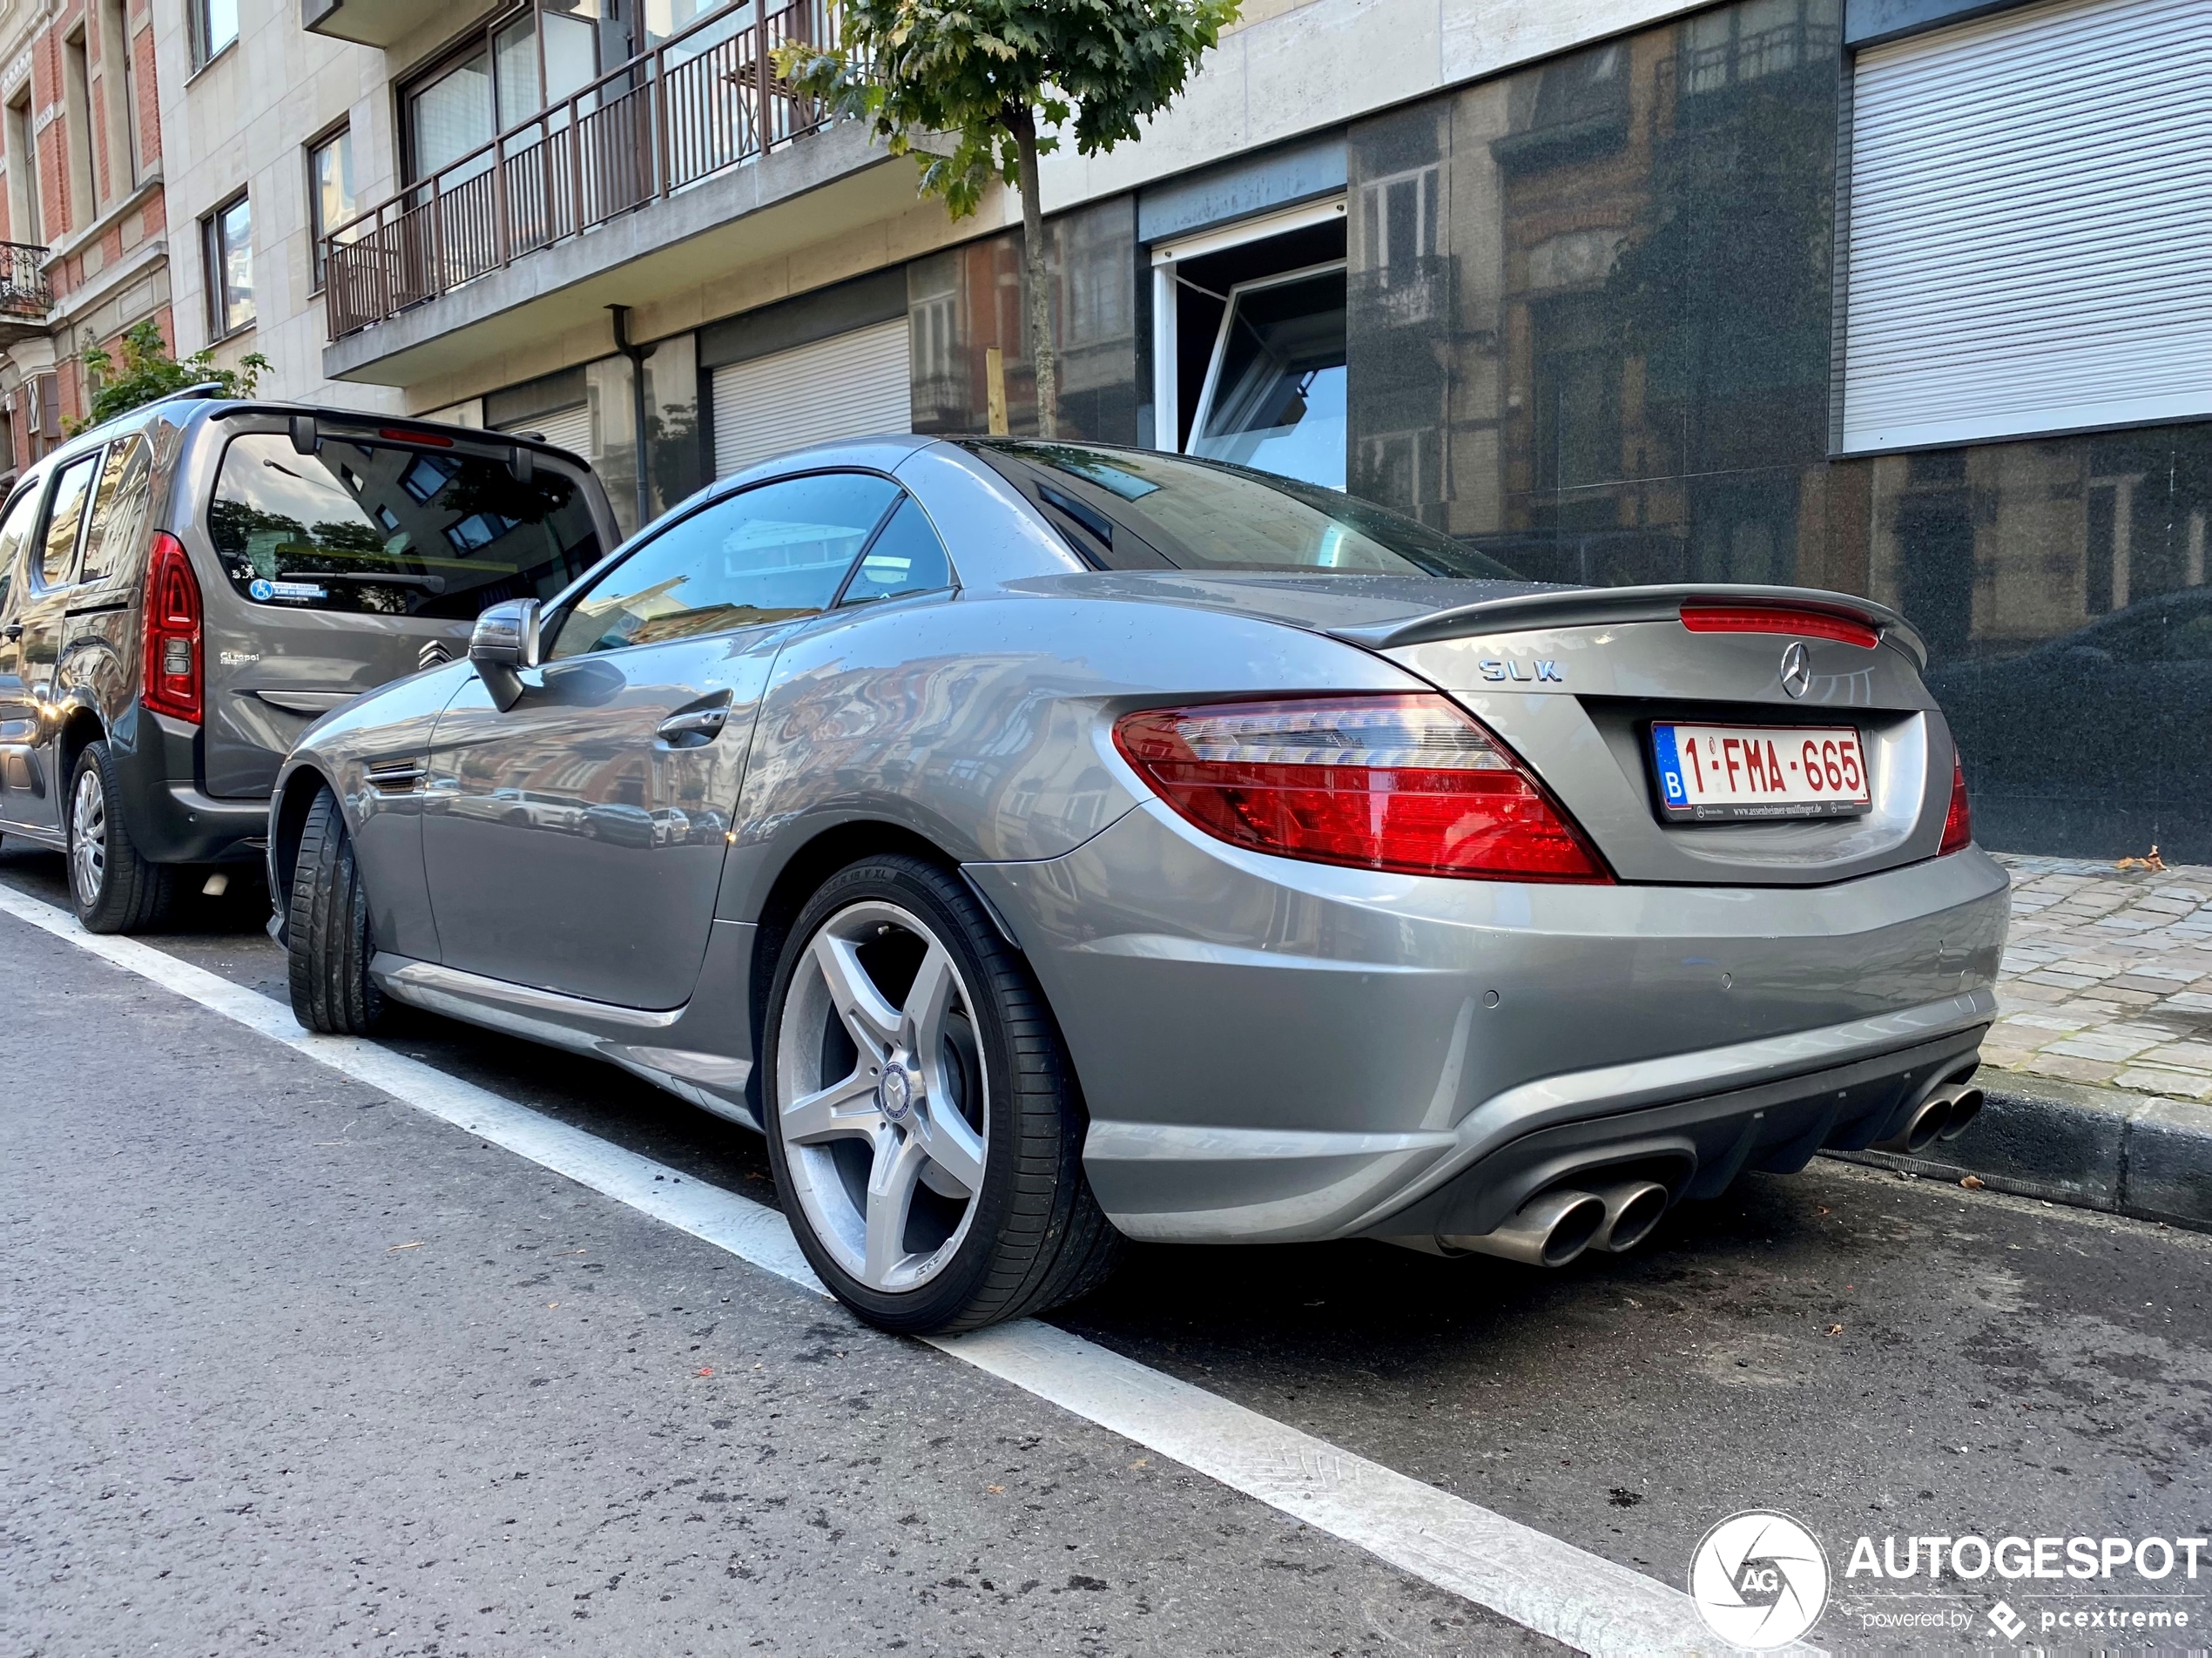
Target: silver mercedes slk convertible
x: 1046, y: 843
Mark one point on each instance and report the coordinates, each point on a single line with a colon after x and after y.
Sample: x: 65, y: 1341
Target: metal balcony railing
x: 24, y: 290
x: 700, y: 102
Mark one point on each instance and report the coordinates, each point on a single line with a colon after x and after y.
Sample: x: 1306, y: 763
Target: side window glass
x: 59, y: 558
x: 119, y: 506
x: 15, y: 531
x: 779, y: 551
x: 904, y: 557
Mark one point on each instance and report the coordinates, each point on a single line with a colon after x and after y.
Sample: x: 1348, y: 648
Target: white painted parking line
x: 1536, y: 1580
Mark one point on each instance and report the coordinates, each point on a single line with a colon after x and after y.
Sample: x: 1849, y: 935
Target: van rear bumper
x: 171, y: 818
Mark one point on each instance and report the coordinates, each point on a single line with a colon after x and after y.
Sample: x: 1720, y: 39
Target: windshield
x: 393, y: 531
x: 1138, y: 509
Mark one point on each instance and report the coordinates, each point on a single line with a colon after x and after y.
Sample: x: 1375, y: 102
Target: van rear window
x: 388, y: 532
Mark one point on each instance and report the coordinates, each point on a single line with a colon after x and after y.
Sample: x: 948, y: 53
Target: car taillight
x: 1403, y: 783
x: 1959, y: 822
x: 171, y: 658
x: 1765, y: 618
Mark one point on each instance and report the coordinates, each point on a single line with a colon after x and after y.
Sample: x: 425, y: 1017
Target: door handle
x: 694, y: 728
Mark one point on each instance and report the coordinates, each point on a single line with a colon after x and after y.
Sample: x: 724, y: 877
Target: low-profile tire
x: 325, y: 930
x: 111, y: 885
x: 955, y: 1196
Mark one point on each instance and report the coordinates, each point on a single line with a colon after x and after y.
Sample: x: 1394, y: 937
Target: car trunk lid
x: 1575, y: 681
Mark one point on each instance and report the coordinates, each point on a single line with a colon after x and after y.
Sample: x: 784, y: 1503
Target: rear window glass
x: 1138, y: 509
x: 388, y: 532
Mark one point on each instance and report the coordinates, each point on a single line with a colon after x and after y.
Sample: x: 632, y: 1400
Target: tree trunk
x: 1024, y: 124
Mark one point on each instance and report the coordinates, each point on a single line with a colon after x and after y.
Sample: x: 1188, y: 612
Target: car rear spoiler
x: 1570, y: 607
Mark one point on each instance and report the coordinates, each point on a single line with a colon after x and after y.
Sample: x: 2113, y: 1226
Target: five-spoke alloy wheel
x: 916, y: 1089
x: 884, y: 1108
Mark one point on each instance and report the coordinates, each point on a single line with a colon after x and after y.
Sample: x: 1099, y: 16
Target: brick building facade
x: 83, y: 214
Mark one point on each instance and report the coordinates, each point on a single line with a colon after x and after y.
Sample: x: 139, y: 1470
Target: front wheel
x: 325, y: 930
x: 922, y: 1118
x: 111, y: 886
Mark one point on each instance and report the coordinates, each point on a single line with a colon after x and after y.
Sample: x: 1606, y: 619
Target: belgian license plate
x: 1709, y: 773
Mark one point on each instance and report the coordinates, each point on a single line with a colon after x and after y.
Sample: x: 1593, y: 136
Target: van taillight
x: 171, y: 661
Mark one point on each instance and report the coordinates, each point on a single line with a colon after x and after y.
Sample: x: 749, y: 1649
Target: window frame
x: 211, y: 252
x: 199, y: 20
x: 480, y: 36
x: 338, y: 135
x: 562, y: 609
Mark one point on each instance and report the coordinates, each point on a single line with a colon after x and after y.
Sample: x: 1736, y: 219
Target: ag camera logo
x: 1760, y: 1580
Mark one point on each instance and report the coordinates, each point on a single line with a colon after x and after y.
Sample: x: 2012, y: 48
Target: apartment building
x: 1910, y: 298
x: 84, y: 250
x: 270, y: 135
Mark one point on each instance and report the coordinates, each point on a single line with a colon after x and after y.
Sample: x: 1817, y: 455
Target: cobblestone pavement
x: 2108, y: 977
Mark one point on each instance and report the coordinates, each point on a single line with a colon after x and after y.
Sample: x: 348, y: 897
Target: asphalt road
x: 288, y: 1364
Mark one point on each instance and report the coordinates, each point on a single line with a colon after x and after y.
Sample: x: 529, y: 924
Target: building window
x: 25, y: 209
x: 496, y: 78
x: 330, y: 193
x: 119, y: 83
x: 77, y: 130
x: 229, y: 234
x: 214, y: 26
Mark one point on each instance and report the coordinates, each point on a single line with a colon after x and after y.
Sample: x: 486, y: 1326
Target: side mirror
x: 503, y: 644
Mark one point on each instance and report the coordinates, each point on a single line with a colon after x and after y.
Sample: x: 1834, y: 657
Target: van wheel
x: 327, y: 930
x: 112, y: 888
x: 923, y: 1117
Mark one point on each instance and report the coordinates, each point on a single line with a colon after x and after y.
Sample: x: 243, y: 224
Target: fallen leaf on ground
x: 1972, y: 1182
x: 1833, y: 1330
x: 996, y: 1491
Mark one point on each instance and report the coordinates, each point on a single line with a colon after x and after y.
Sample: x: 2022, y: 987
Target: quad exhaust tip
x: 1550, y: 1230
x: 1944, y: 1115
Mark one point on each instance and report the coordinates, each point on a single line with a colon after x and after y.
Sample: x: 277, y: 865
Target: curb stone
x: 2127, y: 1154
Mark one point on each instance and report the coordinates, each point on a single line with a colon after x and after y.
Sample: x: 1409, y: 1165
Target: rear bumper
x: 1274, y: 1051
x: 172, y: 820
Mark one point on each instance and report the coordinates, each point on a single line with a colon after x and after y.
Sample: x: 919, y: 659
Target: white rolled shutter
x: 851, y: 385
x: 2031, y: 226
x: 568, y: 429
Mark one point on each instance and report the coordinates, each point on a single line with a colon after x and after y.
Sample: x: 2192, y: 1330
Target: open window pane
x: 1275, y: 388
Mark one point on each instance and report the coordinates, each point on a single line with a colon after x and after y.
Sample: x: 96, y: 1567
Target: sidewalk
x: 2108, y: 977
x: 2098, y: 1070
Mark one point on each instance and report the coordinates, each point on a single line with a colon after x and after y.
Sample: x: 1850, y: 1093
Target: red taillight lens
x: 1406, y: 783
x: 170, y: 662
x: 1959, y: 822
x: 1753, y: 618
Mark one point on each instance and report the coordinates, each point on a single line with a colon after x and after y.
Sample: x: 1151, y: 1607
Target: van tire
x: 112, y: 885
x: 327, y: 930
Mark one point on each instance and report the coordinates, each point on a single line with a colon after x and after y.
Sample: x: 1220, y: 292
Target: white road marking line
x: 1533, y: 1579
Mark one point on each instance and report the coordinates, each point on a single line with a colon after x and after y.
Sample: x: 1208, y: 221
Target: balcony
x: 677, y: 167
x: 368, y: 23
x: 24, y: 297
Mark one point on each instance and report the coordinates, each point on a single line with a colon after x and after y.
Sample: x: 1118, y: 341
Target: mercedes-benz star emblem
x: 895, y: 1094
x: 1797, y: 672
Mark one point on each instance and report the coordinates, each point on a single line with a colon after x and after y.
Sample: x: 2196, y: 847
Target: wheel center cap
x: 894, y: 1094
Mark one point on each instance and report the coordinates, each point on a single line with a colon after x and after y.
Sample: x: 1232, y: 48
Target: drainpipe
x: 636, y: 355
